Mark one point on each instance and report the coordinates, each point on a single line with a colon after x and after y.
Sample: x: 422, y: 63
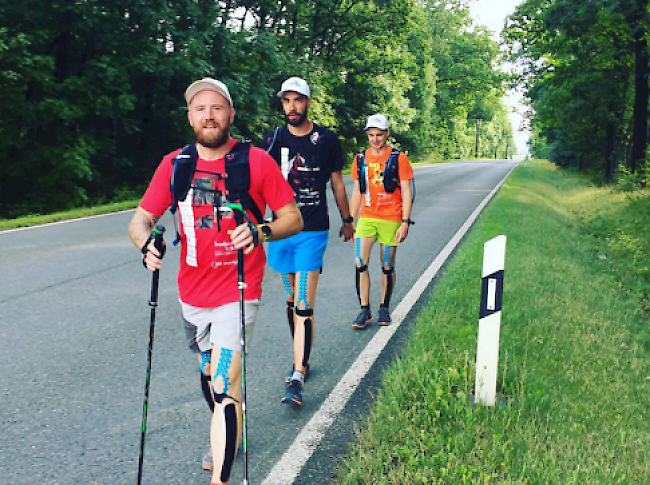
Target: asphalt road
x: 74, y: 328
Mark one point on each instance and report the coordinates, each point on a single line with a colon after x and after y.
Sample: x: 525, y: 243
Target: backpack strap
x: 184, y: 166
x: 390, y: 177
x: 276, y: 134
x: 362, y: 172
x: 238, y: 179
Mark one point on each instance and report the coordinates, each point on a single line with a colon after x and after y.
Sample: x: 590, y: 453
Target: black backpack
x: 237, y: 180
x: 389, y: 177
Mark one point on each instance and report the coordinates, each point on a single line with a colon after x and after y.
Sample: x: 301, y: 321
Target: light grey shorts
x: 218, y: 327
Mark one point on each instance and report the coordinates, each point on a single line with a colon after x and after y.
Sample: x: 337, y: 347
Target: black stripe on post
x: 491, y: 294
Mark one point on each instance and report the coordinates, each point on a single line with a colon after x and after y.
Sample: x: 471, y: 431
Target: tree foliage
x: 585, y: 69
x: 93, y: 89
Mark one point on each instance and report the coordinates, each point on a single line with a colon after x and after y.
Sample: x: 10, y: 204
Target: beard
x: 297, y: 121
x: 215, y: 139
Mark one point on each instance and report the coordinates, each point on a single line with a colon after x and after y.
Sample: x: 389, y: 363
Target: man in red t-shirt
x: 385, y: 216
x: 210, y: 238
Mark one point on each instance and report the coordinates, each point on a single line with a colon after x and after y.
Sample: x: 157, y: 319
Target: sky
x: 492, y: 13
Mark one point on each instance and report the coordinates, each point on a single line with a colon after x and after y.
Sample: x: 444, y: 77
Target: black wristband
x: 408, y: 221
x: 348, y: 220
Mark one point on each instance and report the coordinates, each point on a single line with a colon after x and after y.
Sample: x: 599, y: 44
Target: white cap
x: 377, y: 121
x: 209, y: 84
x: 295, y: 84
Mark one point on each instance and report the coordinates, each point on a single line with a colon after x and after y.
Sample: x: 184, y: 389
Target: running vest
x: 237, y: 179
x: 389, y: 177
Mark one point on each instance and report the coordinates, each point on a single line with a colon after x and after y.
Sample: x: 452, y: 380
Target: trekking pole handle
x: 158, y: 232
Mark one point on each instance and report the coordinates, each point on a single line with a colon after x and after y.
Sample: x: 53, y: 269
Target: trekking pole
x: 241, y: 284
x: 153, y: 303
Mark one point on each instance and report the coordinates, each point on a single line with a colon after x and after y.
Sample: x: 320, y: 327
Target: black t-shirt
x: 307, y: 163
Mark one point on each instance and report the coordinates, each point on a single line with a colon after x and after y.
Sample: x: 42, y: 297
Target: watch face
x: 266, y: 230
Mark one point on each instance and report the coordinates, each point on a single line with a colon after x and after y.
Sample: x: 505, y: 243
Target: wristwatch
x: 408, y: 221
x: 266, y: 232
x: 348, y: 220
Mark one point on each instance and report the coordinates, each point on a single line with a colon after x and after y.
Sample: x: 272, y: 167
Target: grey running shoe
x: 384, y: 316
x: 293, y: 393
x: 363, y: 319
x: 207, y: 462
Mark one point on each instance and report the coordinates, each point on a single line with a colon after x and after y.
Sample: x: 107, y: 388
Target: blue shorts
x: 299, y: 253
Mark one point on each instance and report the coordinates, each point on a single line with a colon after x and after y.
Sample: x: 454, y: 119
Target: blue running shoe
x: 384, y: 316
x: 293, y: 393
x: 363, y: 318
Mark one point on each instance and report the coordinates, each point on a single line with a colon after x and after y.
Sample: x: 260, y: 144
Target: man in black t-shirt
x: 309, y: 156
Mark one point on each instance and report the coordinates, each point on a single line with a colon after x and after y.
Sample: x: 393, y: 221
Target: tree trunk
x: 478, y: 124
x: 641, y: 94
x: 610, y: 156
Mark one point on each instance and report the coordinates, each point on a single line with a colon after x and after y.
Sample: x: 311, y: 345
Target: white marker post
x: 489, y: 324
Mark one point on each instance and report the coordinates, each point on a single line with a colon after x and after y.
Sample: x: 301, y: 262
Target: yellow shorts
x: 382, y: 231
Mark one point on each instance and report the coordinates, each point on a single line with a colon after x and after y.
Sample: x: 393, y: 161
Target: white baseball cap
x: 209, y: 84
x: 377, y: 121
x: 295, y: 84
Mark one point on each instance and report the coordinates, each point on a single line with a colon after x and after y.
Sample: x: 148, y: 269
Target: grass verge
x: 35, y: 220
x: 574, y: 355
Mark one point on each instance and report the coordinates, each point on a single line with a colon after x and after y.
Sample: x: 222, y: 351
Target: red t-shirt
x: 376, y: 203
x: 207, y: 277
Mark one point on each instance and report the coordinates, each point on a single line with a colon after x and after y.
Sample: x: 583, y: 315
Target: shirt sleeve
x: 158, y: 196
x: 335, y: 154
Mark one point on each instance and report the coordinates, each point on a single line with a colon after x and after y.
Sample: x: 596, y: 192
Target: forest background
x: 92, y: 90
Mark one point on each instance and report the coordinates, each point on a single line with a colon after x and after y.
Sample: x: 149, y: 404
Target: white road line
x: 292, y: 461
x: 64, y: 222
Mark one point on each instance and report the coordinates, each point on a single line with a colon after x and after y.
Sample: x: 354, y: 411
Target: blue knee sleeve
x: 387, y: 260
x: 357, y: 243
x: 302, y: 290
x: 223, y: 366
x: 206, y: 358
x: 288, y: 291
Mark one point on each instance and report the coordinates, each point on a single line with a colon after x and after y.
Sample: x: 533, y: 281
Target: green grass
x: 574, y: 354
x: 37, y: 219
x: 34, y: 220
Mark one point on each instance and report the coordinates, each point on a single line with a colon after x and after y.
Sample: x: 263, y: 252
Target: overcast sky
x: 492, y: 14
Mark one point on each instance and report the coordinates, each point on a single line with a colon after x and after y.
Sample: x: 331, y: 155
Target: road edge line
x: 287, y: 469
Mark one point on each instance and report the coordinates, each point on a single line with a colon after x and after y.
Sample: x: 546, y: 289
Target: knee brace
x: 231, y: 428
x: 223, y: 366
x: 389, y: 272
x: 360, y: 270
x: 290, y: 317
x: 308, y: 314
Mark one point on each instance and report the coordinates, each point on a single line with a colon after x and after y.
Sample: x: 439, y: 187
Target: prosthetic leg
x: 225, y: 431
x: 387, y: 283
x: 303, y: 335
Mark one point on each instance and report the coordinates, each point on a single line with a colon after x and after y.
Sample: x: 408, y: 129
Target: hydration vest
x: 389, y: 177
x: 283, y: 156
x: 237, y: 179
